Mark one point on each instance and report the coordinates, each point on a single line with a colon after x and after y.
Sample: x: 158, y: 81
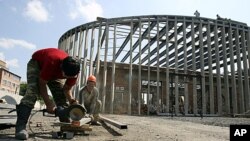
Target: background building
x: 165, y: 64
x: 9, y: 81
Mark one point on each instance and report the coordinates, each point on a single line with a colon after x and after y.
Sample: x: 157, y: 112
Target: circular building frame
x: 164, y: 64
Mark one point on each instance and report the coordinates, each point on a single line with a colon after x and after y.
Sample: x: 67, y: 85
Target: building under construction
x: 163, y: 64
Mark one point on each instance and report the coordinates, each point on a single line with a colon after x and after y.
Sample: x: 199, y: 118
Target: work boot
x: 96, y: 118
x: 95, y: 123
x: 23, y: 113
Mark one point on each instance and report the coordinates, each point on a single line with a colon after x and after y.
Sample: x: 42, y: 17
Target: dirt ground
x: 140, y: 128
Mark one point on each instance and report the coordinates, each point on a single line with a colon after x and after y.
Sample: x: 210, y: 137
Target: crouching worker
x: 48, y: 67
x: 89, y: 98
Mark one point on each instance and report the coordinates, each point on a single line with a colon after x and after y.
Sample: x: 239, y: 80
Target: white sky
x: 29, y: 25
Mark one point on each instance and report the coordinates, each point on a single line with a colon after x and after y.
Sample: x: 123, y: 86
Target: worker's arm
x: 44, y: 94
x: 68, y: 94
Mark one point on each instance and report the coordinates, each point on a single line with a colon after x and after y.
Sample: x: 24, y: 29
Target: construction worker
x: 48, y: 67
x: 89, y: 98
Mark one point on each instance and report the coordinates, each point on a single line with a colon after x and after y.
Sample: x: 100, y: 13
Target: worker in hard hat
x: 89, y: 98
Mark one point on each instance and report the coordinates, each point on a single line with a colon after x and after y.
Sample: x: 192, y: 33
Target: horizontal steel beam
x: 114, y: 123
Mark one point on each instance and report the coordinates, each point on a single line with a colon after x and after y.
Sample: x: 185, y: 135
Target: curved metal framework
x: 204, y: 62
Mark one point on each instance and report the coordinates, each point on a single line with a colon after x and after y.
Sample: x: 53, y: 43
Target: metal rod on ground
x: 114, y: 123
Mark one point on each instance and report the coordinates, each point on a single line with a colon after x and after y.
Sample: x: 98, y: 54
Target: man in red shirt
x: 48, y: 67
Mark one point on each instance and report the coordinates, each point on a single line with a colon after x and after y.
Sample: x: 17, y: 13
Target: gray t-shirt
x: 89, y: 99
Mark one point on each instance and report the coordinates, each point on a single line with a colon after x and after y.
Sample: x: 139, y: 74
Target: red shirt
x: 50, y: 60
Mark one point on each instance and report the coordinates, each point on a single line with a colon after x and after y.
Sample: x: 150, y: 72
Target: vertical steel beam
x: 211, y: 83
x: 92, y: 43
x: 105, y: 68
x: 75, y: 45
x: 80, y: 56
x: 226, y: 84
x: 233, y: 81
x: 218, y: 78
x: 248, y: 54
x: 246, y: 81
x: 130, y: 69
x: 167, y: 68
x: 61, y: 44
x: 240, y: 81
x: 69, y: 45
x: 194, y: 69
x: 113, y: 73
x: 85, y: 56
x: 186, y: 99
x: 148, y: 93
x: 98, y: 56
x: 139, y: 70
x: 203, y: 96
x: 158, y: 69
x: 176, y: 69
x: 73, y: 53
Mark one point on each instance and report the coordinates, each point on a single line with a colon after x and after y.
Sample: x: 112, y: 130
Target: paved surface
x: 142, y: 128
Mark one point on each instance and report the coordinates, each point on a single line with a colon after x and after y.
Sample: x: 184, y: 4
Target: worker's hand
x: 73, y: 101
x: 91, y: 117
x: 51, y: 109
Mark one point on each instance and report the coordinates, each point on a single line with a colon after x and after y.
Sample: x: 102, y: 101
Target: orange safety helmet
x: 92, y: 78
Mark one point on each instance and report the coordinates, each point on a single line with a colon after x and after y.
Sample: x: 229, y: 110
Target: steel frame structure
x: 216, y: 49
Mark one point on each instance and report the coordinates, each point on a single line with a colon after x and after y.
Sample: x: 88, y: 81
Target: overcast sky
x: 29, y: 25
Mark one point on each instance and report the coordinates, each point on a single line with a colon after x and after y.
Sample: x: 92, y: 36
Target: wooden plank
x: 83, y: 121
x: 82, y: 128
x: 114, y: 123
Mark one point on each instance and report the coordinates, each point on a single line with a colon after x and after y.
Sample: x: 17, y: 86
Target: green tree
x: 23, y: 88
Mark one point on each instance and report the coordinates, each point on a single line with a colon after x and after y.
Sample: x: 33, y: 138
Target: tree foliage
x: 23, y: 88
